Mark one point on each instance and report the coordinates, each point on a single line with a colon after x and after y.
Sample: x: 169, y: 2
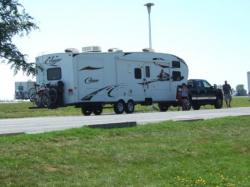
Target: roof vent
x: 71, y: 50
x: 112, y: 50
x: 92, y: 49
x: 148, y: 50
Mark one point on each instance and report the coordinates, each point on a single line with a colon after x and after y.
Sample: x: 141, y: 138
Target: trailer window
x: 176, y: 64
x: 147, y: 71
x: 54, y: 74
x: 137, y: 73
x: 176, y: 76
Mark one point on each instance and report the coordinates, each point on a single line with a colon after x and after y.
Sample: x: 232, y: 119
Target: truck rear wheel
x: 130, y: 107
x: 119, y: 107
x: 218, y: 103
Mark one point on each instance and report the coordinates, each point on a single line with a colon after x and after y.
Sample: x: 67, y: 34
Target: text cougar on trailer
x: 92, y: 79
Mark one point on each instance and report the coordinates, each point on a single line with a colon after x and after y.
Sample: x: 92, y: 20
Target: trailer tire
x: 163, y: 107
x: 130, y: 107
x: 196, y: 106
x: 119, y: 107
x: 97, y: 111
x: 86, y: 111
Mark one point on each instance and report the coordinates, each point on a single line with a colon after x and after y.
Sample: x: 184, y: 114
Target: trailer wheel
x: 98, y: 111
x: 86, y: 111
x: 119, y: 107
x: 196, y: 106
x: 163, y: 107
x: 130, y: 107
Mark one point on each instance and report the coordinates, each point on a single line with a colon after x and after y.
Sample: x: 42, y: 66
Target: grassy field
x: 200, y: 153
x: 22, y: 109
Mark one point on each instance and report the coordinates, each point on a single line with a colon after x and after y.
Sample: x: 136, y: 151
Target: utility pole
x: 148, y: 5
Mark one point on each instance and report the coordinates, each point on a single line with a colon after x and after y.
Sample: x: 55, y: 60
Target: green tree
x: 240, y: 90
x: 14, y: 21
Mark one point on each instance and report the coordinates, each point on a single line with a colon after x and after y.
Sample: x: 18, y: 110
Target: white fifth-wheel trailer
x: 92, y: 79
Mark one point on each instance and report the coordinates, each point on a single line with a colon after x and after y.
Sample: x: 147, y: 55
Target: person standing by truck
x: 184, y: 97
x: 227, y: 93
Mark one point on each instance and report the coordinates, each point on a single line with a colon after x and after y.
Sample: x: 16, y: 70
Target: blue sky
x: 212, y: 36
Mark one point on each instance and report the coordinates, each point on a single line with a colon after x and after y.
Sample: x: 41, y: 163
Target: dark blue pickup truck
x: 202, y: 93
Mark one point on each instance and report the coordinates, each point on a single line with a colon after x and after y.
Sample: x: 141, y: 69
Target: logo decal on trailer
x: 109, y: 90
x: 52, y: 60
x: 90, y: 80
x: 90, y: 68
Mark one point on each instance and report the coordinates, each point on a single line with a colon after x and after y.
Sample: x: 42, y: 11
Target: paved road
x: 46, y: 124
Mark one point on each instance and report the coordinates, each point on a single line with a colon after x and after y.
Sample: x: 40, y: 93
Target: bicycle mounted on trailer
x: 47, y: 95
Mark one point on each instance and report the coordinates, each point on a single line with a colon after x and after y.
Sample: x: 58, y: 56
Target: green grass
x: 22, y: 109
x: 200, y: 153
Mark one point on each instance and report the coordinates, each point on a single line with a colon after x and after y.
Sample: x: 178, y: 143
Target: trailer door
x: 90, y: 77
x: 141, y: 80
x: 146, y: 83
x: 130, y: 75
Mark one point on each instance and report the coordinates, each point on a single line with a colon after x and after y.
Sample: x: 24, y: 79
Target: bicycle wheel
x: 32, y: 94
x: 45, y: 100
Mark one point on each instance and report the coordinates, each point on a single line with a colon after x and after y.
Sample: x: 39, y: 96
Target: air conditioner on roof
x: 91, y: 49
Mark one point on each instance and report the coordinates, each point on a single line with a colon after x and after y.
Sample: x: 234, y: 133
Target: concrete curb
x: 114, y: 125
x: 12, y: 133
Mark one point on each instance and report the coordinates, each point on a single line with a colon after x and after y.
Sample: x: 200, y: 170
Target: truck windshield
x: 206, y: 84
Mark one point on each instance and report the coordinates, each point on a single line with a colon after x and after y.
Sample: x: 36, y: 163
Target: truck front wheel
x: 218, y: 103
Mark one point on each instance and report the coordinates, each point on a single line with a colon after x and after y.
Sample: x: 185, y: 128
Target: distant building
x: 22, y: 89
x: 248, y: 81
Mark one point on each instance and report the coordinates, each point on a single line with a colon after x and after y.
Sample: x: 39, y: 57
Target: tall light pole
x: 148, y: 5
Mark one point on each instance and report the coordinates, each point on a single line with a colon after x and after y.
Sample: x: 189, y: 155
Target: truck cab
x: 203, y: 93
